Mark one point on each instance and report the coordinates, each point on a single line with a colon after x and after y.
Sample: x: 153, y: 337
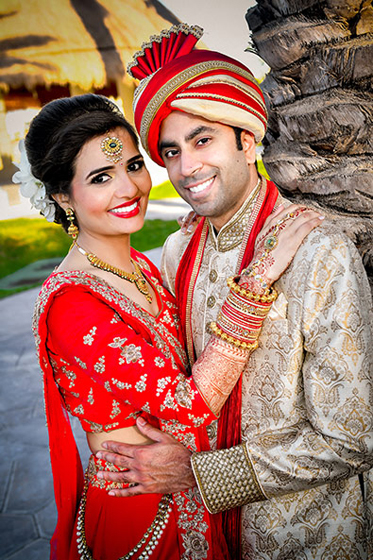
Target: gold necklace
x: 136, y: 277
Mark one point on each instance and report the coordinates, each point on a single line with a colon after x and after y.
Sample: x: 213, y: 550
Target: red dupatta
x: 229, y: 425
x: 68, y: 479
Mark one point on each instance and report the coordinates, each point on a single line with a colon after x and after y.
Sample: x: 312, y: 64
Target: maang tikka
x: 112, y: 148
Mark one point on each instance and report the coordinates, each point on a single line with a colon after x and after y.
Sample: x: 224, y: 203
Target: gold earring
x: 73, y: 230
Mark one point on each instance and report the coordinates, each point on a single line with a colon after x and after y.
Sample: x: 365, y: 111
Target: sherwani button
x: 213, y: 276
x: 211, y: 301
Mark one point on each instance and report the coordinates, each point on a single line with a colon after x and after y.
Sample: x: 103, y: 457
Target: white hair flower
x: 31, y: 187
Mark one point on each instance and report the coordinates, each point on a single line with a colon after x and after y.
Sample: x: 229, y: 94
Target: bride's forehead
x: 96, y: 146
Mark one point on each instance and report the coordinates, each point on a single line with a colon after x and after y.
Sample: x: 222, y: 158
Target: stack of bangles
x: 242, y: 314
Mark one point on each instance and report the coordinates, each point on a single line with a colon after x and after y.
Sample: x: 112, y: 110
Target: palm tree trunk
x: 319, y: 144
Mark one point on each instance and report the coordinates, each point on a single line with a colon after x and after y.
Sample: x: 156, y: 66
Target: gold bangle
x: 227, y: 338
x: 270, y: 294
x: 247, y: 307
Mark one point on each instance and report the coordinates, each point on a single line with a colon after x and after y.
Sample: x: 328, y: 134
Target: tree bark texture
x: 319, y: 144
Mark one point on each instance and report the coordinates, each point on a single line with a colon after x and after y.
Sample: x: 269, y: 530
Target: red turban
x: 208, y: 84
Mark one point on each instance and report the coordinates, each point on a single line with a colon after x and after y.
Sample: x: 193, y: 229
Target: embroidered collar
x: 232, y: 233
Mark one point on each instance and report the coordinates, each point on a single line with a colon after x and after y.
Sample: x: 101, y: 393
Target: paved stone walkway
x: 28, y: 513
x: 27, y: 509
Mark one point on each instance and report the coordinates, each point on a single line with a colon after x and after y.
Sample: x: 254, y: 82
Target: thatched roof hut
x: 82, y: 43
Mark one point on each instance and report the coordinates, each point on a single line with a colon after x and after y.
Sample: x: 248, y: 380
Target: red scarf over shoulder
x: 229, y: 426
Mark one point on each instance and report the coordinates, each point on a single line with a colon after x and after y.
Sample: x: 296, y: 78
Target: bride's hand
x: 188, y: 224
x: 282, y: 234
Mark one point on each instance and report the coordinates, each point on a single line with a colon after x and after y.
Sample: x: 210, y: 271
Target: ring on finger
x: 271, y: 242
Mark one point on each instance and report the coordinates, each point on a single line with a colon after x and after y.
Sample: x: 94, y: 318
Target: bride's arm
x: 165, y: 465
x: 238, y: 326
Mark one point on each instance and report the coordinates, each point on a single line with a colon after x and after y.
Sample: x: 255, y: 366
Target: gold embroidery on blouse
x: 70, y: 375
x: 115, y: 319
x: 89, y: 338
x: 121, y: 384
x: 96, y: 428
x: 143, y: 264
x: 100, y: 365
x: 163, y: 338
x: 132, y: 354
x: 159, y: 362
x: 115, y: 410
x: 162, y: 384
x: 140, y: 386
x: 80, y: 362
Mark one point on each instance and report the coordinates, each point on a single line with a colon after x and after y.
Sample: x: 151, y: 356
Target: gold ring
x: 271, y: 242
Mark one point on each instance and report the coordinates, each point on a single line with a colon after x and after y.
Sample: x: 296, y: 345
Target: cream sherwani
x: 307, y: 395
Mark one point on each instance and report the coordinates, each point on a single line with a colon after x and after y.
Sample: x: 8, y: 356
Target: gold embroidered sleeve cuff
x: 226, y: 478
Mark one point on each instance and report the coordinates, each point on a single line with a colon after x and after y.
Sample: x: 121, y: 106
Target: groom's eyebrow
x: 190, y: 136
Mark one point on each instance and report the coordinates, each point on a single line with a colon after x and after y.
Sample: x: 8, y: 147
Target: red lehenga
x: 106, y: 360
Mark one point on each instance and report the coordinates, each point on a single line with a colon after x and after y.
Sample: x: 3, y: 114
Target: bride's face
x: 110, y: 198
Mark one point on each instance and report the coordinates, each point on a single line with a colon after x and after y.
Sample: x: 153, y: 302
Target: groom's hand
x: 161, y: 467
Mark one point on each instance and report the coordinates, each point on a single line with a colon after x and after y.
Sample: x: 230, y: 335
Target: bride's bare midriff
x: 123, y: 435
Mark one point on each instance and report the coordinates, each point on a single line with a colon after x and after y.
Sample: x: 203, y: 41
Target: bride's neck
x: 113, y: 250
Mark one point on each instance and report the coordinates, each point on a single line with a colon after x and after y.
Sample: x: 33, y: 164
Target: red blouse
x: 106, y: 360
x: 121, y: 362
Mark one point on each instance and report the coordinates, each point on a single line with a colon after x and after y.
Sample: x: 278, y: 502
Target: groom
x: 295, y: 441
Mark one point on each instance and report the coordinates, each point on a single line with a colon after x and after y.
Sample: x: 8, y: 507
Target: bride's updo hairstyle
x: 58, y: 133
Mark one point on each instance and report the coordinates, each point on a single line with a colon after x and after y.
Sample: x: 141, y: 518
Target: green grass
x: 153, y: 234
x: 262, y: 170
x: 164, y: 190
x: 27, y: 240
